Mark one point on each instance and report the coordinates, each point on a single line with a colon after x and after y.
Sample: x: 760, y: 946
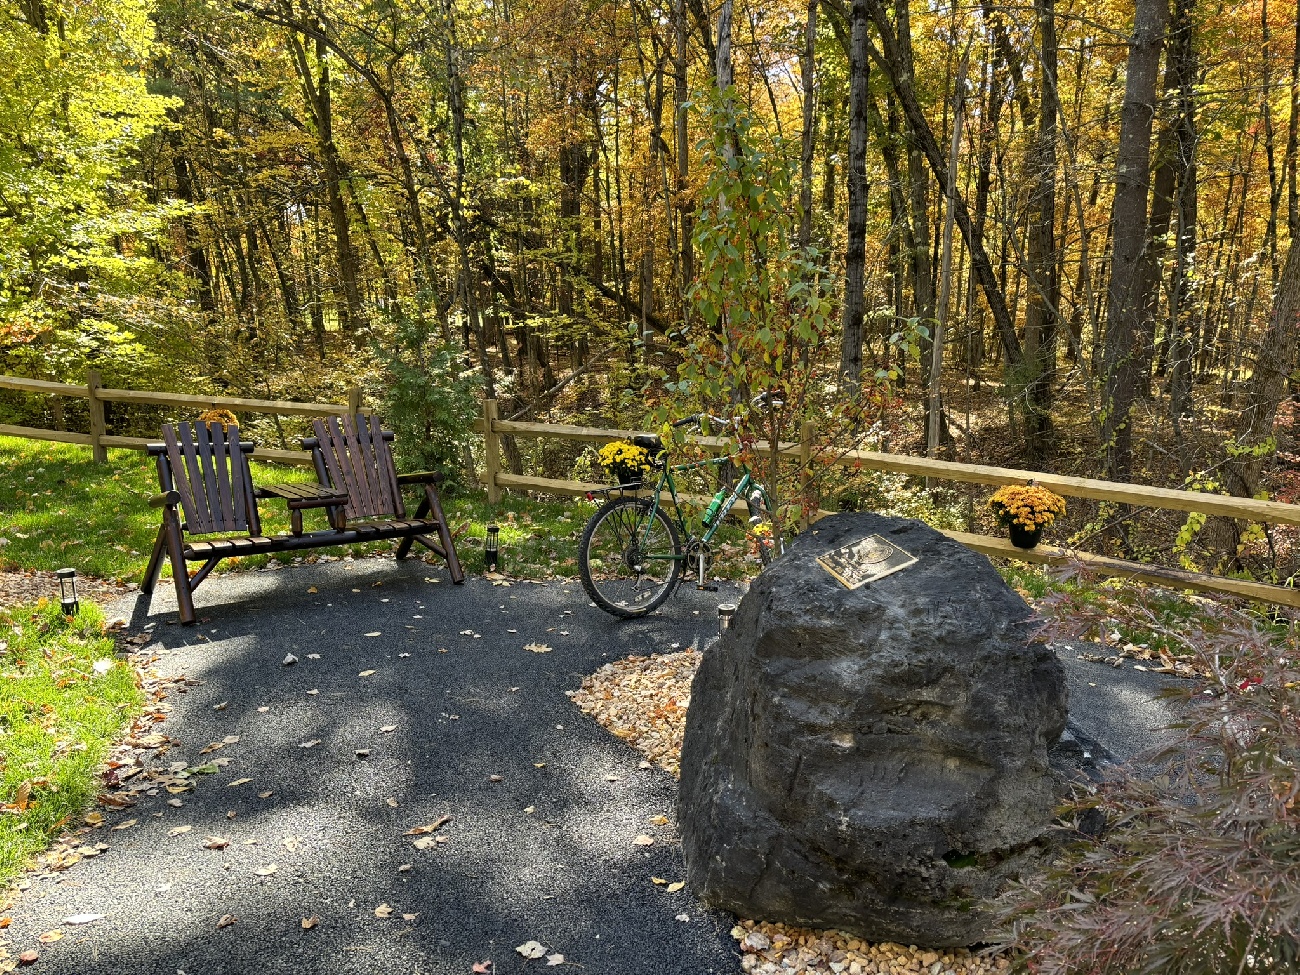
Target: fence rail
x: 1247, y: 509
x: 99, y: 440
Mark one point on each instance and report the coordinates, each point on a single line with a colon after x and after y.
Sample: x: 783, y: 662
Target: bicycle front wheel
x: 630, y: 557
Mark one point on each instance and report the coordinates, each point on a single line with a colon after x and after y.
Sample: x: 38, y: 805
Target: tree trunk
x: 1183, y: 299
x: 856, y: 246
x: 1126, y: 298
x: 1045, y: 287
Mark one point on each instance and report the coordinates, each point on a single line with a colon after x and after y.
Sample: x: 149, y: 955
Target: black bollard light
x: 492, y: 549
x: 68, y: 591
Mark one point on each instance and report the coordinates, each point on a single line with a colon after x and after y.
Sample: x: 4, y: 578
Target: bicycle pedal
x: 707, y: 588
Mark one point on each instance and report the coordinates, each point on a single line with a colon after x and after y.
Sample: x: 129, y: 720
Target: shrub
x: 1200, y: 869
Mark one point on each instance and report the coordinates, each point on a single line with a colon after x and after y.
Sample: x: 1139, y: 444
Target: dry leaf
x: 483, y: 968
x: 94, y: 818
x: 83, y: 918
x: 683, y: 917
x: 127, y: 824
x: 659, y: 820
x: 537, y: 648
x: 409, y: 917
x: 310, y: 744
x: 376, y: 633
x: 265, y: 795
x: 658, y: 880
x: 365, y: 673
x: 644, y: 840
x: 263, y: 709
x: 431, y: 827
x: 388, y: 727
x: 220, y: 707
x: 310, y: 922
x: 289, y: 661
x: 175, y: 803
x: 267, y: 870
x: 178, y: 830
x: 238, y: 782
x: 383, y: 910
x: 311, y: 589
x: 216, y: 843
x: 531, y: 949
x: 226, y: 921
x: 674, y: 888
x: 555, y: 959
x: 404, y: 868
x: 5, y: 922
x: 28, y: 957
x: 313, y: 692
x: 49, y: 937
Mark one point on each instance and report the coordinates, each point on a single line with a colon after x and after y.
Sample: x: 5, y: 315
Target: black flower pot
x: 1022, y: 537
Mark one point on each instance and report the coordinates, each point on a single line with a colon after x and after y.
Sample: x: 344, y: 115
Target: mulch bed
x: 643, y: 700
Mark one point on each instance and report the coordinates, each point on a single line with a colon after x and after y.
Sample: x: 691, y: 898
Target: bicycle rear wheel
x: 630, y: 557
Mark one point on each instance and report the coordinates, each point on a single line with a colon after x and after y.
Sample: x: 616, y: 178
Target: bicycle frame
x: 741, y: 488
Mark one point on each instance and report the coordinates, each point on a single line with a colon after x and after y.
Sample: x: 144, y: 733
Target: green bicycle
x: 631, y: 556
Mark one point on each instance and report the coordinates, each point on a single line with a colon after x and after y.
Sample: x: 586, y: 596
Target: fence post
x: 354, y: 400
x: 491, y: 450
x: 807, y: 434
x: 98, y: 426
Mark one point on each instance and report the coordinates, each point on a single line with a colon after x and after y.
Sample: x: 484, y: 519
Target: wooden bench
x: 206, y: 489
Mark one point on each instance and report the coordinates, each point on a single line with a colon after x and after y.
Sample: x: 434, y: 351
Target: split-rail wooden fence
x: 495, y: 479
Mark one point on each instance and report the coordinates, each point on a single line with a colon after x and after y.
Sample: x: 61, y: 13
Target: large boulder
x: 871, y: 759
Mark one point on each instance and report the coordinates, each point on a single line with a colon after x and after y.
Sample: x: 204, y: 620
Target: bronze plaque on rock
x: 865, y: 560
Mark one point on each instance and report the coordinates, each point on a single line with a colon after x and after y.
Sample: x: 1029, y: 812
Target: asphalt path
x: 544, y: 805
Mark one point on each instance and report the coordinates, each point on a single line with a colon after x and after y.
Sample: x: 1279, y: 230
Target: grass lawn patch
x: 64, y: 697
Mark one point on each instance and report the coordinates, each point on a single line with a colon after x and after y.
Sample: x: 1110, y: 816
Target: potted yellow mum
x: 1025, y: 510
x: 626, y: 462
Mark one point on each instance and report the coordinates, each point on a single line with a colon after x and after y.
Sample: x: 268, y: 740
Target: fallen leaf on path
x: 289, y: 661
x: 313, y: 692
x: 28, y: 957
x: 94, y: 818
x: 674, y: 888
x: 292, y: 843
x: 437, y: 824
x: 409, y: 917
x: 310, y: 922
x: 495, y: 778
x: 309, y: 744
x: 267, y: 870
x: 263, y: 709
x: 49, y: 937
x: 178, y: 830
x: 238, y: 782
x: 265, y: 795
x: 537, y: 648
x: 83, y: 918
x: 613, y: 778
x: 388, y: 727
x: 312, y: 589
x: 531, y: 949
x: 483, y: 968
x: 175, y: 803
x: 404, y: 868
x: 555, y: 959
x: 226, y: 921
x: 383, y: 910
x: 363, y: 753
x: 376, y: 633
x: 658, y: 880
x: 216, y: 843
x: 365, y: 673
x: 644, y: 840
x: 683, y: 917
x: 659, y: 820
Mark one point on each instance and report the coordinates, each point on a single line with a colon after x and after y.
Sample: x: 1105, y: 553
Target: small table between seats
x: 304, y: 495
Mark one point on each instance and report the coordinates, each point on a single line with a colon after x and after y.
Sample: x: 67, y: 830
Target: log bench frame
x: 207, y: 488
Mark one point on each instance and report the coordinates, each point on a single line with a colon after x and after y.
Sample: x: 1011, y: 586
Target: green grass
x: 58, y: 714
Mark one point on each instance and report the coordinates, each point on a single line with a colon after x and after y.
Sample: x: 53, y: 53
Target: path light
x: 68, y: 591
x: 492, y: 549
x: 725, y: 612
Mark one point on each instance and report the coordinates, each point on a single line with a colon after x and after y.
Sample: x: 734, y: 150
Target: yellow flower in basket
x: 224, y: 417
x: 625, y: 461
x: 1026, y: 505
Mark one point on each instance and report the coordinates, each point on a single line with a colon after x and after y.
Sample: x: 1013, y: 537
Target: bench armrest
x: 165, y: 499
x: 421, y: 477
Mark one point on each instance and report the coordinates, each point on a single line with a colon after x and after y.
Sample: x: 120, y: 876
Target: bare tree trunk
x: 1127, y: 298
x: 808, y: 136
x: 1183, y: 301
x: 1045, y: 289
x: 856, y: 246
x: 685, y: 204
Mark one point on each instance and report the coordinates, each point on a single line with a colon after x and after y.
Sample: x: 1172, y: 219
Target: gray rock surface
x: 874, y: 760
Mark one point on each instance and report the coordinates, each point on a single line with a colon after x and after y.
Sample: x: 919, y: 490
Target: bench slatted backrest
x: 210, y: 473
x: 358, y: 460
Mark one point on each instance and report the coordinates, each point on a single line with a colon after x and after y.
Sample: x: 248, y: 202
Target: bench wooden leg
x: 180, y: 573
x: 154, y: 569
x: 444, y: 535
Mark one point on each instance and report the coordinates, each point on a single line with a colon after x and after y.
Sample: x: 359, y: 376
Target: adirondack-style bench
x: 206, y: 488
